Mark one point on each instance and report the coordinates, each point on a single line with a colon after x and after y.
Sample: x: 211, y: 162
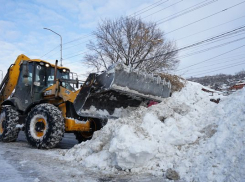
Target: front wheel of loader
x: 8, y: 121
x: 44, y: 126
x: 95, y: 124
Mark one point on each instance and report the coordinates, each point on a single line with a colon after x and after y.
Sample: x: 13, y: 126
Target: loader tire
x: 8, y: 121
x: 44, y: 126
x: 95, y: 124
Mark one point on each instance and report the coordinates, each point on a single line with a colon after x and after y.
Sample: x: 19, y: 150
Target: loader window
x: 44, y: 77
x: 65, y: 75
x: 29, y: 78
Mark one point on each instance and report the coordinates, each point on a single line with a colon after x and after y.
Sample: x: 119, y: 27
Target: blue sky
x: 22, y: 23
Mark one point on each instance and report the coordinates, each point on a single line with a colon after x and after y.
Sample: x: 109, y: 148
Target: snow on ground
x: 199, y: 139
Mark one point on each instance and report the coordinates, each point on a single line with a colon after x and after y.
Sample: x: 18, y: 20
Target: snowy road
x: 19, y: 162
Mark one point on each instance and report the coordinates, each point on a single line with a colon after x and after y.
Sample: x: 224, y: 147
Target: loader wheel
x: 8, y: 120
x: 95, y: 124
x: 44, y: 126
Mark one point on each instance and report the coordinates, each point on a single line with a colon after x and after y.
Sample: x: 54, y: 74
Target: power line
x: 229, y: 60
x: 149, y: 8
x: 222, y: 35
x: 142, y: 18
x: 185, y: 11
x: 76, y: 45
x: 217, y: 67
x: 211, y: 48
x: 220, y: 39
x: 146, y: 7
x: 163, y: 9
x: 166, y: 8
x: 220, y: 69
x: 74, y: 40
x: 156, y: 12
x: 212, y: 58
x: 89, y: 35
x: 219, y: 36
x: 204, y: 17
x: 74, y: 55
x: 178, y: 15
x: 50, y: 51
x: 197, y: 43
x: 129, y: 15
x: 210, y: 28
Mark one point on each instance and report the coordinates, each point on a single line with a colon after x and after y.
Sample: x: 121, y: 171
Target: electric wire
x: 235, y: 63
x: 210, y: 28
x: 163, y: 8
x: 219, y: 69
x: 180, y: 27
x: 197, y: 20
x: 145, y: 8
x: 217, y: 63
x: 212, y: 58
x: 138, y: 14
x: 198, y: 43
x: 211, y: 48
x: 212, y: 39
x: 186, y: 11
x: 204, y: 17
x: 50, y: 51
x: 89, y: 35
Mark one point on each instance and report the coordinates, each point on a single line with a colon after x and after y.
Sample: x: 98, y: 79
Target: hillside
x: 220, y: 81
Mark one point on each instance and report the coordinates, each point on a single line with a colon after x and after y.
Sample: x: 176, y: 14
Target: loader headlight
x: 47, y: 65
x: 65, y: 71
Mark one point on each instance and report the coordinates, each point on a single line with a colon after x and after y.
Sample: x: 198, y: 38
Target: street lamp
x: 60, y: 44
x: 2, y: 75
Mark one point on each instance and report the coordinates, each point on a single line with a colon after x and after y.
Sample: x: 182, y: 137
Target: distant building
x: 237, y: 86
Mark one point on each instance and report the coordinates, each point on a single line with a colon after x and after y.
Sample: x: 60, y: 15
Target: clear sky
x: 22, y: 23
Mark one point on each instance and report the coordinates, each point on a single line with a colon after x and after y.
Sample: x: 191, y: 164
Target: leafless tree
x: 133, y: 42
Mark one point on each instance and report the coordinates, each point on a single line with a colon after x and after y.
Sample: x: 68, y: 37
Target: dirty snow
x: 199, y: 139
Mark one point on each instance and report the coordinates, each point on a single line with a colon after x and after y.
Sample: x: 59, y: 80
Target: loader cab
x: 34, y: 78
x: 44, y: 78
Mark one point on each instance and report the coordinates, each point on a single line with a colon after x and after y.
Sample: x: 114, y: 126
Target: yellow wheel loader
x: 46, y: 100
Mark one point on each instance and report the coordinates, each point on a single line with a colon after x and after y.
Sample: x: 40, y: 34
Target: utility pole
x: 60, y: 44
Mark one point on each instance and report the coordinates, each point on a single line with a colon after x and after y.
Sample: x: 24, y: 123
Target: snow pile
x: 198, y: 138
x: 222, y: 157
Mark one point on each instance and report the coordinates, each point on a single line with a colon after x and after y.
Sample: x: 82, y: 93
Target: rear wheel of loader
x: 95, y: 124
x: 8, y: 121
x: 44, y: 126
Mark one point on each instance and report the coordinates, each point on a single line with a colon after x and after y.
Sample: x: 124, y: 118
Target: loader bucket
x: 119, y: 87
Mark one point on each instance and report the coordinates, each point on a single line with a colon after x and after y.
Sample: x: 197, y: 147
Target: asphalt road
x: 67, y: 142
x: 19, y: 162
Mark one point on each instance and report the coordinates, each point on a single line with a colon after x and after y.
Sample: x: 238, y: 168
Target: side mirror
x: 25, y: 69
x: 77, y: 83
x: 25, y: 72
x: 25, y: 81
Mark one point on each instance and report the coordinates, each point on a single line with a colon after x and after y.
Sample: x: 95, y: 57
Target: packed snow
x: 199, y: 139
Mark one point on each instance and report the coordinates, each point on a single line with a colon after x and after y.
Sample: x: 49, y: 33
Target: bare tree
x: 136, y: 43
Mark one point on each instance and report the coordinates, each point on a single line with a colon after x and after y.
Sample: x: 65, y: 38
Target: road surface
x: 19, y: 162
